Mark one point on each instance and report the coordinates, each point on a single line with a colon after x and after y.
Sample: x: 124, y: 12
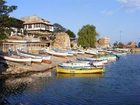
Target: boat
x: 15, y: 59
x: 75, y: 64
x: 79, y: 70
x: 119, y: 54
x: 93, y: 60
x: 92, y: 52
x: 60, y: 54
x: 74, y: 52
x: 109, y: 57
x: 36, y: 60
x: 37, y: 56
x: 94, y: 63
x: 98, y: 64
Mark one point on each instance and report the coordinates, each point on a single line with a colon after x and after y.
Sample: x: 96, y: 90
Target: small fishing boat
x: 74, y: 52
x: 60, y: 54
x: 75, y: 64
x: 82, y: 64
x: 92, y: 52
x: 37, y: 56
x: 119, y: 54
x: 79, y: 70
x: 15, y: 59
x: 92, y: 59
x: 109, y: 57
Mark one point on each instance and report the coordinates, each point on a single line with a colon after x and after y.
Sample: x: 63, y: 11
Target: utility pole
x: 120, y: 36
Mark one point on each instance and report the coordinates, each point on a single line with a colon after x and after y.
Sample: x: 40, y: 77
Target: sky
x: 117, y: 19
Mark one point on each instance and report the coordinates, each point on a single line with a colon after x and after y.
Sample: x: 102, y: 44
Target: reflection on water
x: 61, y: 75
x: 16, y: 86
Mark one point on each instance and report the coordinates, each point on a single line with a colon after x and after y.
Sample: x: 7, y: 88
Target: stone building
x: 103, y: 42
x: 62, y: 41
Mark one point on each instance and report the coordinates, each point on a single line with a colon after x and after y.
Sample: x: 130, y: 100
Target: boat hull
x: 16, y: 59
x: 79, y: 71
x: 37, y: 56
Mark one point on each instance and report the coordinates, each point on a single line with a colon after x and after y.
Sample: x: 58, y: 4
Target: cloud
x: 130, y: 4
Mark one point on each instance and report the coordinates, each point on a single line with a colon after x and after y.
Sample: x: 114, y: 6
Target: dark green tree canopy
x: 71, y: 34
x: 118, y: 45
x: 87, y: 36
x: 59, y: 28
x: 5, y: 21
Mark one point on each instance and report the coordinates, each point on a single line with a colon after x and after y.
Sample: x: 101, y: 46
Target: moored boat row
x: 93, y: 64
x: 90, y: 65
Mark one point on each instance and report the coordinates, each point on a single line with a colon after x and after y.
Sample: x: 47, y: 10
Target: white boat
x: 80, y: 52
x: 90, y: 59
x: 37, y: 60
x: 14, y: 59
x: 37, y: 56
x: 98, y: 64
x: 61, y: 54
x: 119, y: 53
x: 74, y: 52
x: 75, y: 65
x: 92, y: 52
x: 95, y: 63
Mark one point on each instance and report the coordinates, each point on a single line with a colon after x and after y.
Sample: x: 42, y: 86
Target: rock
x: 62, y: 41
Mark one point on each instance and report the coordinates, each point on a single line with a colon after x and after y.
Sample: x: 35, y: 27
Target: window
x: 29, y: 26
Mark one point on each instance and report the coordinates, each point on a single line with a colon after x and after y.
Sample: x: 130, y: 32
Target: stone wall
x: 62, y: 41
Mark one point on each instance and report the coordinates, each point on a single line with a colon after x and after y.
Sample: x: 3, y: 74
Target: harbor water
x: 118, y: 85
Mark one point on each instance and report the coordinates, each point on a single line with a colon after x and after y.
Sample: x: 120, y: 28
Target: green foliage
x: 59, y: 28
x: 115, y: 44
x: 5, y: 21
x: 3, y: 36
x: 87, y: 36
x: 70, y: 33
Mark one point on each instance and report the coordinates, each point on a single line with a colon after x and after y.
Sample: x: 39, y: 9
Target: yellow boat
x: 79, y: 71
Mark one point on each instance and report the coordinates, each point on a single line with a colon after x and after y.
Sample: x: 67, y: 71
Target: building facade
x: 34, y: 23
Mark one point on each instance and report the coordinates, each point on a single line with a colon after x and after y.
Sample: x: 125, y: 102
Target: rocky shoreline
x: 15, y: 69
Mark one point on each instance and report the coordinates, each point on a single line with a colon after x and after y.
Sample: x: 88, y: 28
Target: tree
x: 6, y: 22
x: 87, y: 36
x: 59, y: 28
x: 71, y: 34
x: 120, y: 45
x: 115, y: 44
